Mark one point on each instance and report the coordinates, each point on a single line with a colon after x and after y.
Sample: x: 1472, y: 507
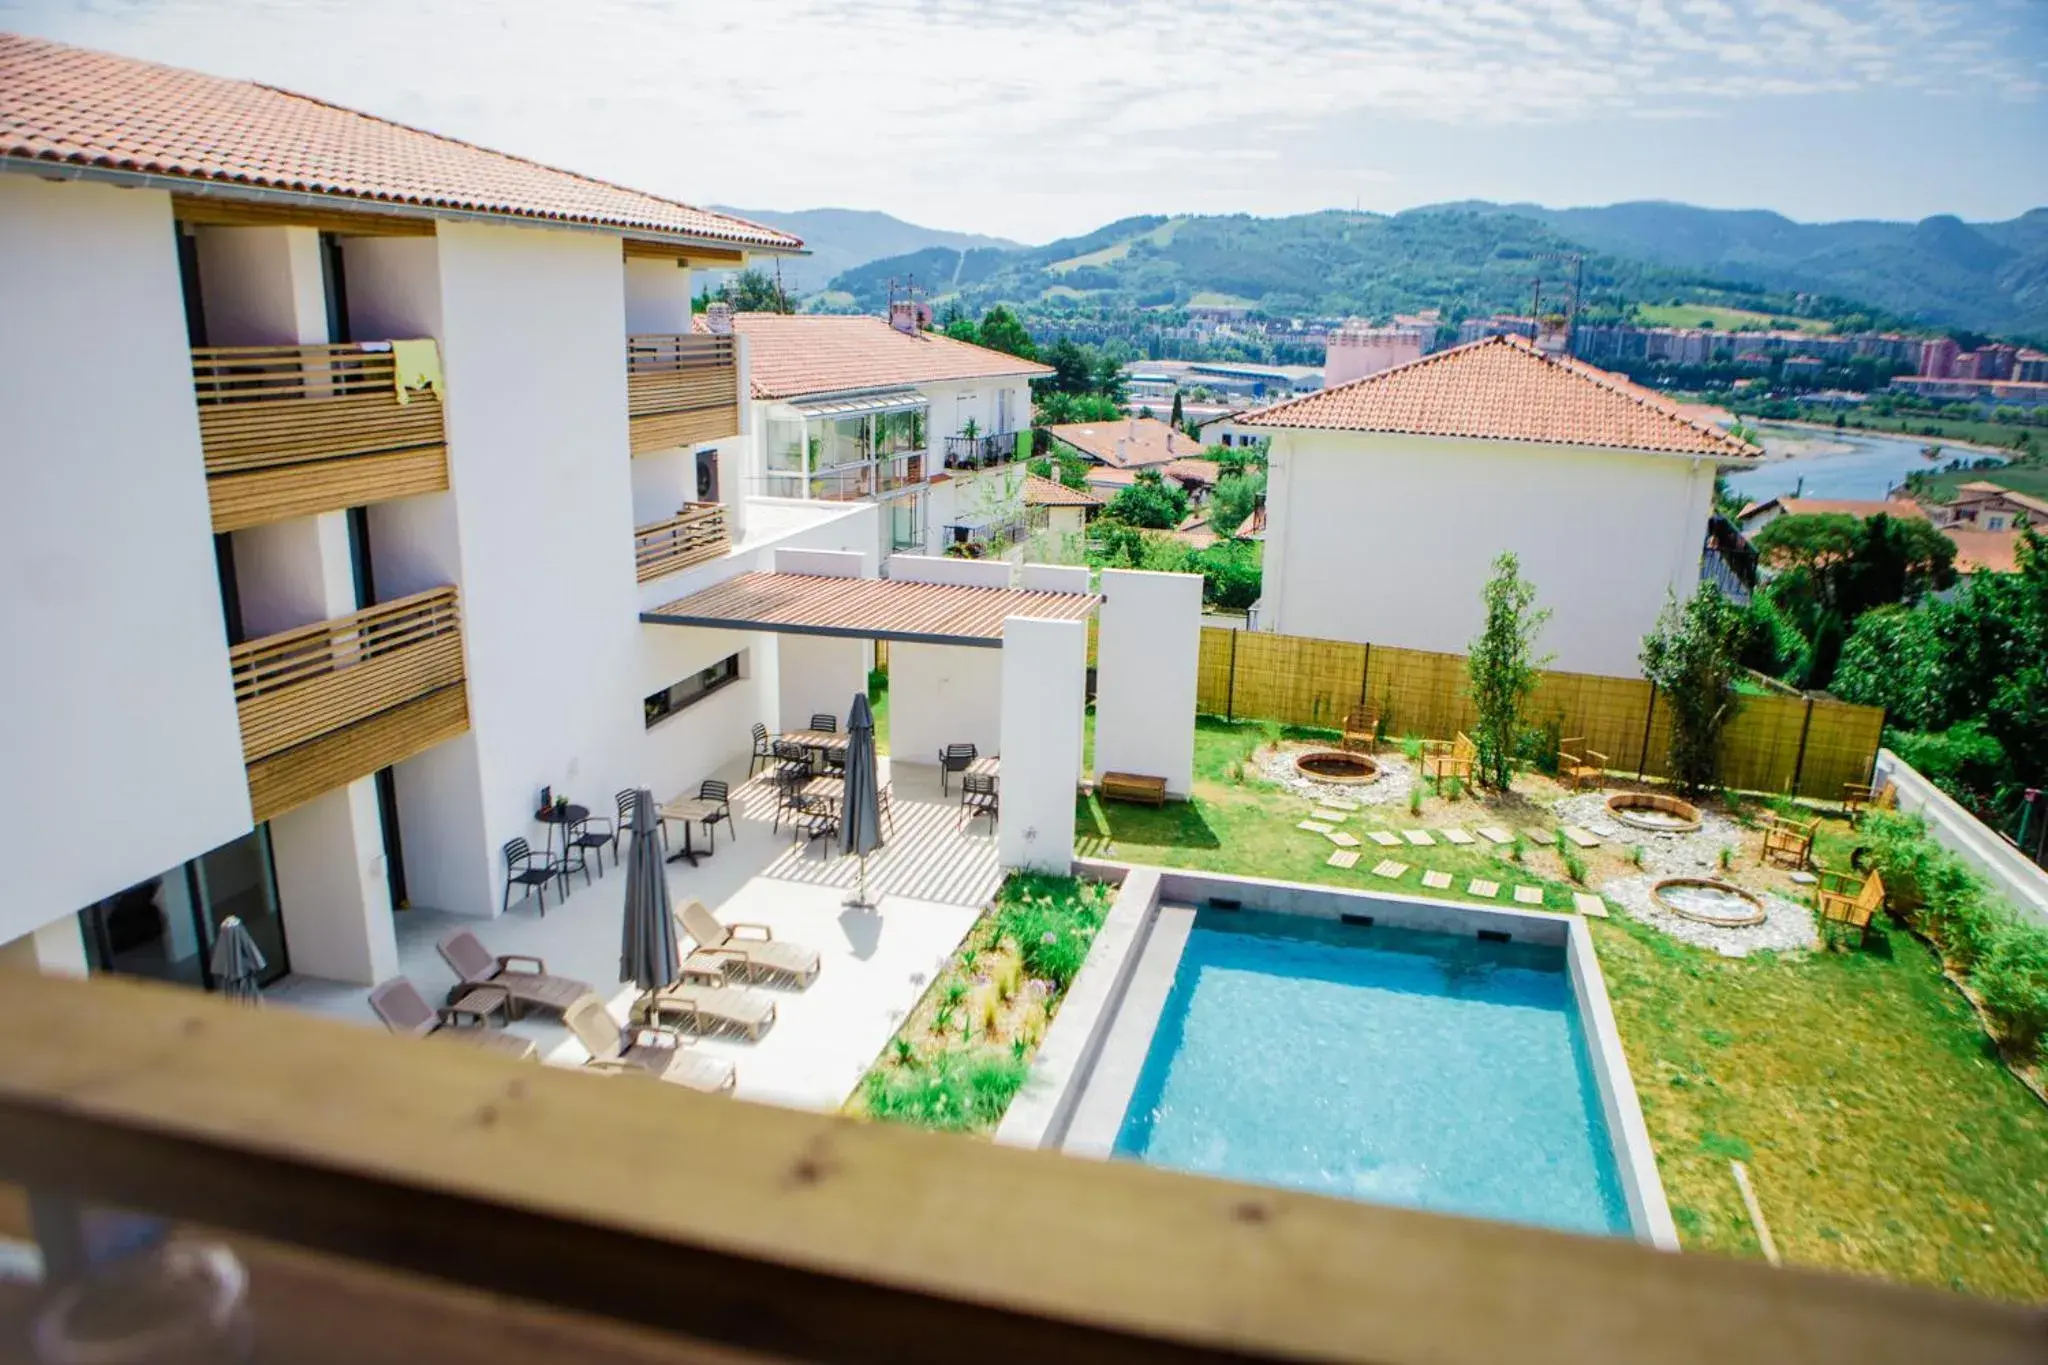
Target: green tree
x: 1235, y: 497
x: 1691, y: 655
x: 755, y: 291
x: 1175, y: 419
x: 962, y: 329
x: 1150, y: 502
x: 1073, y: 369
x: 1502, y: 669
x: 1109, y: 379
x: 1000, y: 331
x: 1057, y: 408
x: 1245, y: 455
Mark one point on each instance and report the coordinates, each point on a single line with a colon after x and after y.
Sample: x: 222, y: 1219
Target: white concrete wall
x: 261, y: 286
x: 115, y: 677
x: 963, y: 573
x: 1147, y: 644
x: 1052, y: 578
x: 1389, y: 539
x: 293, y: 573
x: 332, y: 889
x: 53, y: 949
x: 819, y: 673
x: 683, y: 749
x: 1045, y: 666
x: 823, y: 563
x: 657, y: 296
x: 944, y: 694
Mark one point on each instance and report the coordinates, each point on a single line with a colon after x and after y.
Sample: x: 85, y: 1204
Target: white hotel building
x: 289, y: 638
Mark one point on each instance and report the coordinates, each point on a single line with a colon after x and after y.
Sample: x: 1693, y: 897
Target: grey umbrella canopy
x: 647, y: 953
x: 860, y: 818
x: 237, y: 962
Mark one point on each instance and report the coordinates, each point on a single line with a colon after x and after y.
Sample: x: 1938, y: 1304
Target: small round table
x: 567, y: 817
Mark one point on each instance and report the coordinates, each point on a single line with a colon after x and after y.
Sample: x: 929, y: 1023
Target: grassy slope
x: 1881, y: 1133
x: 1933, y: 429
x: 2030, y: 479
x: 1724, y: 319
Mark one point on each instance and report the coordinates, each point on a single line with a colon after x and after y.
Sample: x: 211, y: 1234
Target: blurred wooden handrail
x: 813, y: 1237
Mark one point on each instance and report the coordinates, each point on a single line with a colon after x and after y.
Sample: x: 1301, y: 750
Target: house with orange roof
x: 1132, y: 443
x: 1987, y: 506
x: 1758, y: 515
x: 1389, y: 498
x: 848, y: 408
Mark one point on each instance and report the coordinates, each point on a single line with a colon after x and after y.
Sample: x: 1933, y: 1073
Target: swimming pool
x: 1435, y: 1070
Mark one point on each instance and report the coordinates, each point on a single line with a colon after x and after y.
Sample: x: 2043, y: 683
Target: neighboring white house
x: 343, y: 459
x: 1389, y: 498
x: 867, y: 409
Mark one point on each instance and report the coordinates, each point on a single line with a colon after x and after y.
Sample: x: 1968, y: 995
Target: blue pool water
x: 1431, y: 1070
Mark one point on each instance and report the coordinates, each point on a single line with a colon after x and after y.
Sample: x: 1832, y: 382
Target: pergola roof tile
x: 868, y: 608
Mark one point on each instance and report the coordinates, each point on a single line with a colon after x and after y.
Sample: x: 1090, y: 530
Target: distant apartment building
x: 2030, y: 367
x: 1500, y: 324
x: 1356, y: 350
x: 1938, y: 358
x: 2011, y: 393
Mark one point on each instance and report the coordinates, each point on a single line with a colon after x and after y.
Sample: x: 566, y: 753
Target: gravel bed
x: 1786, y: 927
x: 1697, y: 854
x: 1396, y: 777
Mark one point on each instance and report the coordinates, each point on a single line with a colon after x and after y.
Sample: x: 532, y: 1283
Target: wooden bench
x: 1842, y: 900
x: 1457, y: 758
x: 1134, y: 787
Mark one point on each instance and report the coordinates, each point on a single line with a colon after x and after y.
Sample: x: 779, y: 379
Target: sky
x: 1035, y: 119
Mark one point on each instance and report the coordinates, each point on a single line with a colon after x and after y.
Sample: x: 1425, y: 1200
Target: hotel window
x: 691, y: 690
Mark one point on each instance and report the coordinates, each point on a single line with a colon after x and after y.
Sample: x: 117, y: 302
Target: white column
x: 1146, y: 650
x: 331, y: 886
x: 1045, y: 665
x: 54, y: 949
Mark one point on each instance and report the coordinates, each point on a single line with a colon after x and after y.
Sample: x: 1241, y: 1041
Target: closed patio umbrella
x: 647, y: 953
x: 237, y: 962
x: 860, y: 805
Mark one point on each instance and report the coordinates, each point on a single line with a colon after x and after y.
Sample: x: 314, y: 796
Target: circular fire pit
x: 1661, y: 814
x: 1709, y: 902
x: 1334, y: 765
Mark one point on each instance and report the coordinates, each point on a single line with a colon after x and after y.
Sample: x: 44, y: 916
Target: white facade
x: 1146, y: 658
x: 1390, y: 539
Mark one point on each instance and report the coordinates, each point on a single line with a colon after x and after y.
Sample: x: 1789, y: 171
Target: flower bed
x: 964, y: 1051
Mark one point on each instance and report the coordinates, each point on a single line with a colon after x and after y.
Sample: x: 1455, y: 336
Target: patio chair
x: 885, y: 809
x: 764, y: 749
x: 825, y: 721
x: 757, y: 952
x: 524, y: 867
x: 406, y: 1012
x: 648, y: 1050
x: 1577, y: 765
x: 1788, y: 842
x: 977, y: 797
x: 955, y: 758
x: 622, y: 799
x: 1362, y: 730
x: 525, y: 986
x: 1842, y: 899
x: 710, y: 1008
x: 816, y: 819
x: 720, y: 791
x: 591, y: 832
x: 1858, y: 797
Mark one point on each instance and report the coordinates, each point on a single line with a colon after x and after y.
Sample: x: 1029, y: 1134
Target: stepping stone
x: 1329, y: 817
x: 1494, y: 834
x: 1581, y: 837
x: 1482, y: 887
x: 1588, y: 904
x: 1804, y: 879
x: 1541, y: 836
x: 1389, y: 868
x: 1385, y: 838
x: 1313, y: 827
x: 1342, y: 839
x: 1437, y: 881
x: 1343, y: 858
x: 1529, y: 895
x: 1455, y: 836
x: 1338, y: 802
x: 1418, y: 837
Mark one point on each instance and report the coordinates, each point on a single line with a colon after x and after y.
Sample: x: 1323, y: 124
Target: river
x: 1836, y: 464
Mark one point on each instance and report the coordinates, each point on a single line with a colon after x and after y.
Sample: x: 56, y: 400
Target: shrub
x: 1727, y: 857
x: 1415, y: 800
x: 1411, y: 748
x: 1635, y: 854
x: 1575, y: 866
x: 1052, y: 921
x: 2011, y: 979
x: 958, y: 1090
x: 1540, y: 744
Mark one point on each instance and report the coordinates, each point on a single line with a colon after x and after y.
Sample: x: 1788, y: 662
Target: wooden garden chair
x: 1858, y: 797
x: 1457, y: 758
x: 1788, y: 842
x: 1362, y: 730
x: 1577, y: 765
x: 1852, y: 904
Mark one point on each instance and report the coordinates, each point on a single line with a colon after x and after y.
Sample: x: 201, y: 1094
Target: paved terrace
x: 929, y: 885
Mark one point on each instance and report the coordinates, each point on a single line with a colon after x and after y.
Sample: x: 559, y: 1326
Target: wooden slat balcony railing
x: 393, y: 1199
x: 328, y: 703
x: 681, y: 389
x: 292, y: 431
x: 695, y: 534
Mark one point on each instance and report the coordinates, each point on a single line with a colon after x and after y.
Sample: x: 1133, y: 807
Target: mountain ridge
x: 846, y: 239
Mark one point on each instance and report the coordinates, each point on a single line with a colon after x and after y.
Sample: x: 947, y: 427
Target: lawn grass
x: 2031, y: 479
x: 1722, y: 319
x: 1882, y: 1133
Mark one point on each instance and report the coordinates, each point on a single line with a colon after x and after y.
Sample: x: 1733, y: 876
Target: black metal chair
x: 826, y: 721
x: 978, y: 797
x: 955, y: 758
x: 817, y: 819
x: 885, y: 810
x: 764, y: 749
x: 714, y: 789
x: 622, y: 800
x: 524, y: 867
x: 591, y: 832
x: 789, y: 778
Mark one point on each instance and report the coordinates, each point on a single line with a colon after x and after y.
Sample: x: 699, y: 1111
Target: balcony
x: 292, y: 431
x: 695, y: 534
x: 680, y: 390
x: 902, y: 472
x: 328, y: 703
x: 980, y: 452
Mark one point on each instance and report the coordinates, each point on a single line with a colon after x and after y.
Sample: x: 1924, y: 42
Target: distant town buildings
x: 1358, y: 349
x: 1999, y: 393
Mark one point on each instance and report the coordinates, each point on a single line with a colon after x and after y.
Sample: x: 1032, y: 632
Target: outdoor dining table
x: 989, y: 765
x: 689, y: 810
x: 820, y: 741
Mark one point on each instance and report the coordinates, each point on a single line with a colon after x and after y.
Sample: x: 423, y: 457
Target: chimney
x: 718, y: 317
x: 1123, y: 452
x: 903, y: 316
x: 1553, y: 335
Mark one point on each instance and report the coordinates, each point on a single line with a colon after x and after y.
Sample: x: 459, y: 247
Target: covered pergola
x: 981, y: 652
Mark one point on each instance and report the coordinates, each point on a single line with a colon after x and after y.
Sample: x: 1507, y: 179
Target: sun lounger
x: 707, y: 1009
x: 524, y: 979
x: 405, y: 1011
x: 757, y: 951
x: 649, y: 1050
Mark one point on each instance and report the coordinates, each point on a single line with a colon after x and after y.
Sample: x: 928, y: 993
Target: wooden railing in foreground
x: 291, y: 431
x: 321, y: 702
x: 701, y: 1228
x: 695, y: 534
x: 681, y: 389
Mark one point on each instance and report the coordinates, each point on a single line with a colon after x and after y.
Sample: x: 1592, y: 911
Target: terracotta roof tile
x: 1504, y: 389
x: 1195, y: 471
x: 1040, y: 491
x: 1900, y: 508
x: 1993, y: 551
x: 1134, y: 443
x: 790, y: 355
x: 85, y: 108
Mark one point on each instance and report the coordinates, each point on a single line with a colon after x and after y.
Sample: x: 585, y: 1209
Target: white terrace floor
x: 929, y: 885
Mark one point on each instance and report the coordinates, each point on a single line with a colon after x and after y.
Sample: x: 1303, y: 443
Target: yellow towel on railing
x: 418, y: 366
